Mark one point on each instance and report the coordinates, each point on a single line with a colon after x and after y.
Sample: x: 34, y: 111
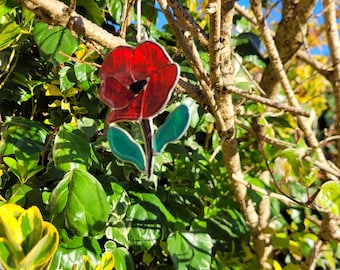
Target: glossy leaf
x: 79, y: 204
x: 71, y: 149
x: 174, y: 127
x: 52, y: 41
x: 190, y: 250
x: 20, y: 194
x: 125, y: 148
x: 24, y: 135
x: 106, y: 263
x: 72, y: 252
x: 145, y: 228
x: 329, y: 197
x: 146, y: 217
x: 67, y: 78
x: 83, y: 74
x: 24, y: 166
x: 9, y: 32
x: 26, y: 241
x: 123, y: 259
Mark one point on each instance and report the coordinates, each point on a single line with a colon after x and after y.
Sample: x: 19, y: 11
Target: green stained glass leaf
x: 124, y: 147
x: 54, y: 43
x: 174, y: 127
x: 329, y: 197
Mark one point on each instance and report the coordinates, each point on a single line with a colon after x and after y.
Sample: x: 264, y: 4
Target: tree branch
x: 278, y: 68
x: 192, y: 56
x: 267, y: 101
x: 331, y: 27
x: 318, y: 66
x: 186, y: 21
x: 57, y: 13
x: 288, y: 39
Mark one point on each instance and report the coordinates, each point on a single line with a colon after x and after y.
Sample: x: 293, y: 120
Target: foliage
x: 27, y: 242
x: 56, y: 158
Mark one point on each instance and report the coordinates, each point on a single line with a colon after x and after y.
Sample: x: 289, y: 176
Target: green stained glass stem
x: 148, y: 134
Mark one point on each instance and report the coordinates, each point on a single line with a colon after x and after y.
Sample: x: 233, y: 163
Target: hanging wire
x: 141, y: 34
x: 139, y: 21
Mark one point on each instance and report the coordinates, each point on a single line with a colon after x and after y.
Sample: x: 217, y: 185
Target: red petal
x: 159, y: 89
x: 114, y: 93
x: 131, y: 112
x: 117, y: 63
x: 147, y: 57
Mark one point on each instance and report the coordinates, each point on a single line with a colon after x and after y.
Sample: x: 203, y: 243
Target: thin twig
x: 245, y: 13
x: 267, y: 101
x: 192, y: 91
x: 318, y: 66
x: 126, y: 17
x: 185, y: 20
x: 250, y: 77
x: 282, y: 198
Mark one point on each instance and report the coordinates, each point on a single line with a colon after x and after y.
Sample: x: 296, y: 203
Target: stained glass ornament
x: 136, y: 84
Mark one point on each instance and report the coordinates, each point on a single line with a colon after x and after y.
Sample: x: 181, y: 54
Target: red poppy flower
x: 137, y: 82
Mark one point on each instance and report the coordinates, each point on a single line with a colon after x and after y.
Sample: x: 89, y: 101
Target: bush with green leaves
x: 252, y: 184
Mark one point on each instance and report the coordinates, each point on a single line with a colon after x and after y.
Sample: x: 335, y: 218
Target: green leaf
x: 124, y: 147
x: 83, y: 74
x: 9, y: 33
x: 190, y: 250
x: 145, y: 227
x: 147, y: 215
x: 71, y: 252
x: 115, y: 9
x: 174, y: 127
x: 20, y: 193
x: 329, y: 197
x: 53, y: 41
x: 79, y: 201
x: 71, y: 149
x: 67, y: 78
x: 119, y: 200
x: 32, y: 242
x: 92, y: 11
x: 24, y: 135
x: 25, y: 166
x: 118, y: 232
x: 123, y: 259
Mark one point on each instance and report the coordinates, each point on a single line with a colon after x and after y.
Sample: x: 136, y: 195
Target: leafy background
x: 55, y: 155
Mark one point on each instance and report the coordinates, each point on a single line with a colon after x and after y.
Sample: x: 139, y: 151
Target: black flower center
x: 137, y: 86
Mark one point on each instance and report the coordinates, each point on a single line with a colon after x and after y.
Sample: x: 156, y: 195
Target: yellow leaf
x: 80, y: 51
x: 54, y: 104
x: 276, y: 265
x: 71, y: 92
x: 192, y: 5
x: 107, y: 262
x: 65, y: 105
x: 31, y: 241
x: 295, y: 250
x: 52, y: 90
